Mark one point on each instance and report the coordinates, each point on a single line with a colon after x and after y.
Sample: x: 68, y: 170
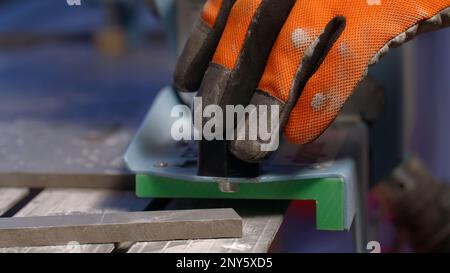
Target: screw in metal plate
x: 162, y: 164
x: 228, y: 187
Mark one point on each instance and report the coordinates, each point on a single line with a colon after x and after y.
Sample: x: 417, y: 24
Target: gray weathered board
x: 120, y: 227
x: 78, y: 201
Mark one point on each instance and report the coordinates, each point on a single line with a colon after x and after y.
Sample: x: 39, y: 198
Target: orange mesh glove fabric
x: 306, y: 56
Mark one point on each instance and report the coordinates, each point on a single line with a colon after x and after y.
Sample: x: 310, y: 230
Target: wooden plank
x: 10, y: 197
x: 78, y: 201
x: 120, y: 227
x: 261, y: 221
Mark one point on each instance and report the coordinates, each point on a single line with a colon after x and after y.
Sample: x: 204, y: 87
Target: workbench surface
x: 261, y: 220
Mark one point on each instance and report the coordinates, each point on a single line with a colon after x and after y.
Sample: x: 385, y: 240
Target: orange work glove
x: 306, y: 56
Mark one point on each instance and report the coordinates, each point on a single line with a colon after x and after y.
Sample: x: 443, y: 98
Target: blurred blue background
x: 51, y: 52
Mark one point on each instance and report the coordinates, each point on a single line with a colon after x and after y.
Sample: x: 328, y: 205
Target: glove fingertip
x: 257, y: 134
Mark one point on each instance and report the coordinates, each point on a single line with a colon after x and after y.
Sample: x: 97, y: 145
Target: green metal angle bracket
x: 328, y: 193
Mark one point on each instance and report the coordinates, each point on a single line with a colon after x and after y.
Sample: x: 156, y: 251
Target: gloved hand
x: 305, y: 56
